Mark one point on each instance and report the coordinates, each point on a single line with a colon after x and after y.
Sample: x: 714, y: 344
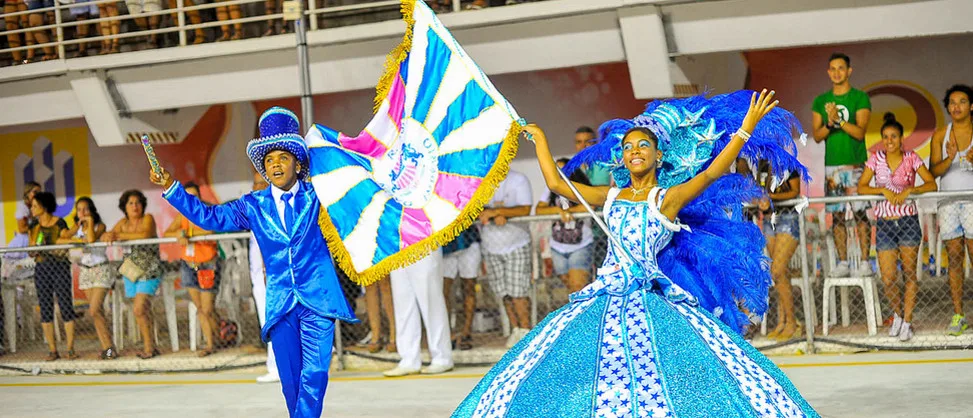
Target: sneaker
x: 436, y: 368
x: 400, y: 371
x: 906, y: 333
x: 896, y: 327
x: 957, y: 326
x: 268, y: 378
x: 841, y: 270
x: 864, y: 269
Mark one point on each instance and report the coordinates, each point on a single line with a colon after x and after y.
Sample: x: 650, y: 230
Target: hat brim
x: 258, y: 148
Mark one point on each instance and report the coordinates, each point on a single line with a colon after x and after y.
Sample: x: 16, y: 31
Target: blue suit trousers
x: 302, y: 342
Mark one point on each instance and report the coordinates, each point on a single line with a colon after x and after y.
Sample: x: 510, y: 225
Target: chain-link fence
x: 139, y: 304
x: 900, y: 288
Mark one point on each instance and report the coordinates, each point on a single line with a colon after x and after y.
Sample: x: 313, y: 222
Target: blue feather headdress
x: 720, y: 260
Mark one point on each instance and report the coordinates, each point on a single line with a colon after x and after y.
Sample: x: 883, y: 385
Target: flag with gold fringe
x: 420, y: 172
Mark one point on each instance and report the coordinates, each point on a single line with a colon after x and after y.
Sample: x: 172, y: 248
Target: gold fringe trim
x: 417, y: 251
x: 398, y: 54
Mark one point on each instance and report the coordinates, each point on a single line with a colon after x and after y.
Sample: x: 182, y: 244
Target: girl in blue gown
x: 656, y: 333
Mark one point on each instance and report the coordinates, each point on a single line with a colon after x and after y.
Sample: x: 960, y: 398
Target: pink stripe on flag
x: 396, y: 100
x: 415, y: 226
x: 364, y: 143
x: 457, y: 190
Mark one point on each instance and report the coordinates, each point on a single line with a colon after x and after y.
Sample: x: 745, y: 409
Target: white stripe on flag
x: 487, y: 129
x: 440, y: 212
x: 338, y: 182
x: 454, y: 81
x: 364, y: 238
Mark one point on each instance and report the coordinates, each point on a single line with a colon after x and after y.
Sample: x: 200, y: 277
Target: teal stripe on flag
x: 327, y: 159
x: 470, y: 162
x: 345, y: 212
x: 437, y: 59
x: 467, y: 106
x: 389, y: 226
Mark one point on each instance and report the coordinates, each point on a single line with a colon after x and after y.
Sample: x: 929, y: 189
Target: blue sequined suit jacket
x: 299, y: 266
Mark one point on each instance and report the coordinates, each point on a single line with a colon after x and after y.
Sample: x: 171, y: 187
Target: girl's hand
x: 566, y: 216
x: 759, y: 107
x: 536, y: 133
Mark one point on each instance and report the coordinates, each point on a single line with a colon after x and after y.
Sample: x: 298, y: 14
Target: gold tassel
x: 398, y: 54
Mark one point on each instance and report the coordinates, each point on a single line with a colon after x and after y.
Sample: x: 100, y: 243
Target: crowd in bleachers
x: 32, y: 22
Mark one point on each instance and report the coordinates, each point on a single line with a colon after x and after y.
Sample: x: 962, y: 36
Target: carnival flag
x: 420, y: 172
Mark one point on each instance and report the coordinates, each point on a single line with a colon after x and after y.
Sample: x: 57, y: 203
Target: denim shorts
x: 890, y: 234
x: 145, y: 286
x: 577, y: 260
x: 189, y: 276
x: 39, y: 4
x: 787, y: 223
x: 955, y: 220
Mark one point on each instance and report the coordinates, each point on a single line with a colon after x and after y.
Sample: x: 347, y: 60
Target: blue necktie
x: 288, y: 212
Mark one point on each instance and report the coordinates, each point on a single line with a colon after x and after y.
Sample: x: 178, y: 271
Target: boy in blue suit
x: 304, y: 297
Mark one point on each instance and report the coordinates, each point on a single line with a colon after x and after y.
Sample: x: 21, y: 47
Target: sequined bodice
x: 643, y: 232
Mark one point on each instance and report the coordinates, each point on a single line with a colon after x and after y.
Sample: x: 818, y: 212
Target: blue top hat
x: 279, y: 131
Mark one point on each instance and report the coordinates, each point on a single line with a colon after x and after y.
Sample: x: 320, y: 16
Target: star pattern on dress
x: 612, y: 395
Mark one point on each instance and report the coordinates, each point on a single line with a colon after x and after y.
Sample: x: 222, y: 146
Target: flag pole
x: 577, y: 194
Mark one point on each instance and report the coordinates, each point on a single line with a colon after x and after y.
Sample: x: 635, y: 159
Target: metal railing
x: 835, y: 312
x: 16, y: 37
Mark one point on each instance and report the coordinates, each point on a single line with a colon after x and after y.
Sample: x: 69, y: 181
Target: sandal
x: 110, y: 353
x: 53, y: 355
x: 145, y: 356
x: 205, y: 352
x: 72, y: 355
x: 390, y: 347
x: 465, y: 343
x: 374, y: 347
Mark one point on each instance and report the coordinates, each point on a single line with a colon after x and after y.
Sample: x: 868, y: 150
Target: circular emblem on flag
x: 409, y: 170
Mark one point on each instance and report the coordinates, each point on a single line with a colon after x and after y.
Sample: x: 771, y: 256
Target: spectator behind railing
x: 225, y: 13
x: 15, y: 23
x: 193, y: 18
x: 40, y: 36
x: 52, y: 275
x: 897, y: 233
x: 141, y: 268
x: 114, y: 27
x: 200, y: 271
x: 571, y: 239
x: 840, y: 118
x: 781, y: 227
x: 462, y: 258
x: 25, y: 218
x: 951, y: 158
x: 95, y: 278
x: 83, y: 11
x: 378, y: 298
x: 136, y: 8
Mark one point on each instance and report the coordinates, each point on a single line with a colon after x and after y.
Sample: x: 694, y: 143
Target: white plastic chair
x: 873, y: 309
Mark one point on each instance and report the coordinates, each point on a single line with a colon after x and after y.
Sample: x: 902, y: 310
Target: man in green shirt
x: 840, y: 120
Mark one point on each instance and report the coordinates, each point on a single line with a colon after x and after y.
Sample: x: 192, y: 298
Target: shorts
x: 136, y: 7
x: 787, y: 223
x: 39, y: 4
x: 577, y: 260
x: 842, y: 180
x: 145, y: 286
x: 97, y: 276
x: 510, y: 273
x: 81, y: 9
x: 190, y: 279
x: 955, y: 220
x: 890, y: 234
x: 464, y: 263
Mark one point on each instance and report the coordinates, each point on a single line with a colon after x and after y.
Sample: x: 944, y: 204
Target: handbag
x: 561, y: 233
x: 131, y: 270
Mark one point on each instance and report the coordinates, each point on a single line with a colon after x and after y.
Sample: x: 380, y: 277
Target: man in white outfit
x: 259, y: 281
x: 417, y: 292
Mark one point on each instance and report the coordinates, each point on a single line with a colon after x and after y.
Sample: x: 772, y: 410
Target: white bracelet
x: 743, y: 134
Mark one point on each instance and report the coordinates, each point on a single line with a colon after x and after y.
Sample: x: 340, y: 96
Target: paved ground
x: 931, y: 384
